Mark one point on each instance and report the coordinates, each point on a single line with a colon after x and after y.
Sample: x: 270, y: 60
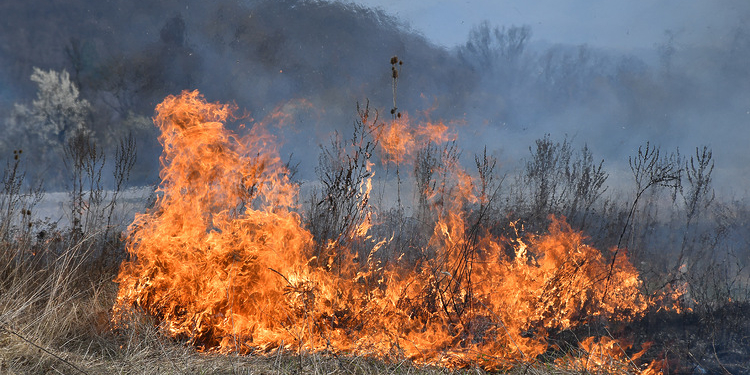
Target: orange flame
x: 399, y: 138
x: 223, y: 260
x: 208, y: 240
x: 606, y: 355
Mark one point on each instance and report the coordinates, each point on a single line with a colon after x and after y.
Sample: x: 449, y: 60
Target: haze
x: 611, y: 75
x: 622, y: 25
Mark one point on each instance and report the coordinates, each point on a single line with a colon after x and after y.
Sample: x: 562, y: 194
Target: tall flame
x: 222, y: 259
x: 220, y: 226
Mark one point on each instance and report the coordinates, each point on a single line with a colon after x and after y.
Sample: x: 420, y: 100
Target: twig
x: 230, y: 297
x: 697, y: 363
x: 166, y: 355
x: 4, y: 327
x: 504, y: 328
x: 617, y: 342
x: 713, y: 346
x: 280, y: 274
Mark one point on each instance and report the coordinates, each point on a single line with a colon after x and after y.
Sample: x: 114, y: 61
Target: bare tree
x: 58, y: 114
x: 489, y: 48
x: 55, y: 117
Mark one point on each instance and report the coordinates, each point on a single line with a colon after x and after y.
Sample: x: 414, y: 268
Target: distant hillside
x: 126, y: 56
x: 256, y: 53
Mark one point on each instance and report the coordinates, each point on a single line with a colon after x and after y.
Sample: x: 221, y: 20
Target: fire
x: 608, y: 355
x: 399, y: 138
x: 222, y: 223
x: 223, y: 260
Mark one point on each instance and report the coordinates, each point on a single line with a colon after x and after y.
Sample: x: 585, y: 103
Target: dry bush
x: 55, y: 284
x: 336, y: 213
x: 52, y: 306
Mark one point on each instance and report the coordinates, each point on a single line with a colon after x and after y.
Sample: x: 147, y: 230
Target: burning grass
x: 227, y: 263
x: 224, y: 261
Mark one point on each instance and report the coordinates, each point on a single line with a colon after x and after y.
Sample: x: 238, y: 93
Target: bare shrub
x: 337, y: 212
x: 557, y: 180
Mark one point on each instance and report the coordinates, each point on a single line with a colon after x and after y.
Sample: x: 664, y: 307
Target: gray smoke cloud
x: 669, y: 73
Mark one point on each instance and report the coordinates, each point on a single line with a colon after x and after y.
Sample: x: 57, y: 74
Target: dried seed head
x: 394, y: 60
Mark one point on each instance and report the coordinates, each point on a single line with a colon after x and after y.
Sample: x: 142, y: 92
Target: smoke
x: 680, y: 95
x: 508, y: 85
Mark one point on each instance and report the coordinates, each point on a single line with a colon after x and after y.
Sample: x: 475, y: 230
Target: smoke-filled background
x: 504, y: 73
x: 616, y: 128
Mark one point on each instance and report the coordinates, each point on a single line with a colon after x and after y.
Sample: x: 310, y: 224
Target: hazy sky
x: 621, y: 24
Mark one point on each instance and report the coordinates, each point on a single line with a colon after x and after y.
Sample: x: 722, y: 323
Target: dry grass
x: 55, y: 309
x: 56, y: 296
